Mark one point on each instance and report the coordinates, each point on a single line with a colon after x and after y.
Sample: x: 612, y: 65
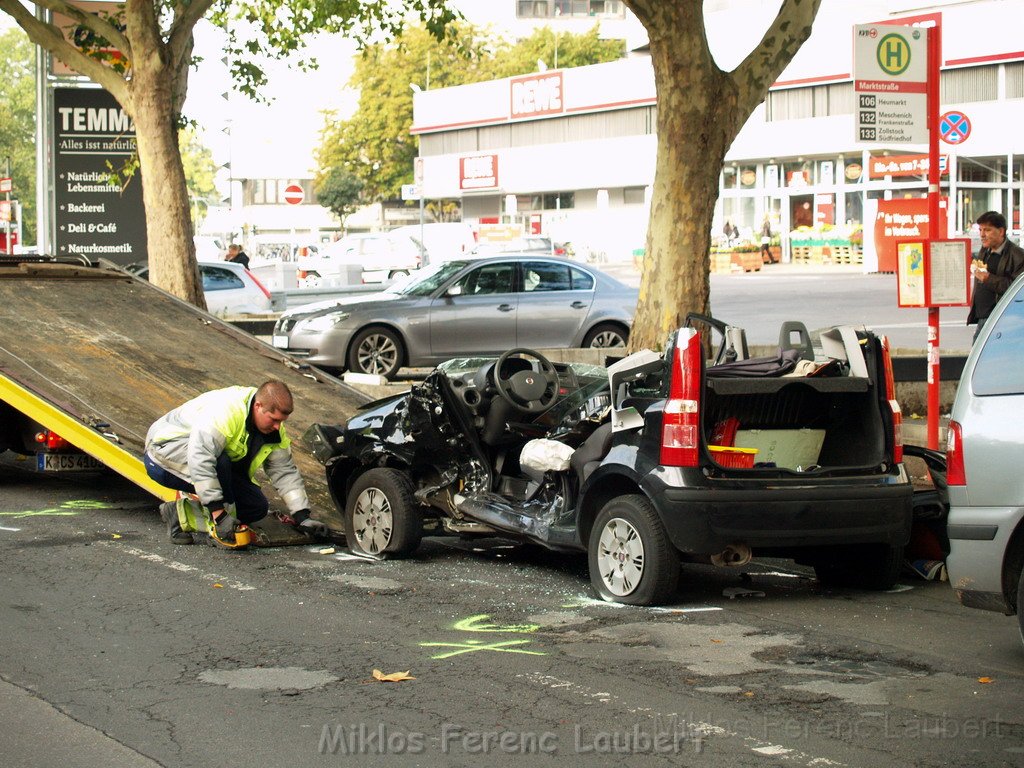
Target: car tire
x: 382, y: 518
x: 606, y: 335
x: 630, y: 557
x: 862, y: 566
x: 311, y: 280
x: 398, y: 273
x: 376, y: 351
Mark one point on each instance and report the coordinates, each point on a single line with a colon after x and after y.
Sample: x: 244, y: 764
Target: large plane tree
x: 150, y: 79
x: 701, y: 109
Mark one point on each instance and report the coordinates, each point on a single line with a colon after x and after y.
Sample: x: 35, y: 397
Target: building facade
x: 571, y: 153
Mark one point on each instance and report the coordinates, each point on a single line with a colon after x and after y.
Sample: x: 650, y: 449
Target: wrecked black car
x: 654, y: 459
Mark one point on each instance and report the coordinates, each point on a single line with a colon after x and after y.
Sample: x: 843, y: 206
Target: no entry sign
x: 293, y: 194
x: 954, y: 127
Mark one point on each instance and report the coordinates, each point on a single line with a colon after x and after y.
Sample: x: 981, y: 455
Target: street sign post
x: 294, y: 194
x: 896, y: 84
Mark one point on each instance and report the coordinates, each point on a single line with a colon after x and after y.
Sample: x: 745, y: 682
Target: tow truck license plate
x: 66, y: 462
x: 281, y: 342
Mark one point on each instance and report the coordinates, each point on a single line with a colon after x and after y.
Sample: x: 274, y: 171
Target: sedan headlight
x: 322, y: 322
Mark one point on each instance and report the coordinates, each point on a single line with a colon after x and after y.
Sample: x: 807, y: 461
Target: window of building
x: 982, y: 169
x: 957, y: 86
x: 729, y: 177
x: 1014, y: 79
x: 542, y: 9
x: 748, y: 177
x: 633, y: 195
x: 551, y: 201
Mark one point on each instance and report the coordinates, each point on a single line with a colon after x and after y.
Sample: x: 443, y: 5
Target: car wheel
x: 606, y: 335
x: 398, y: 273
x: 377, y: 351
x: 381, y: 514
x: 312, y: 280
x: 630, y: 557
x: 862, y: 566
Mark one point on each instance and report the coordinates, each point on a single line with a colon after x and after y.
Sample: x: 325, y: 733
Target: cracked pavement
x: 119, y: 648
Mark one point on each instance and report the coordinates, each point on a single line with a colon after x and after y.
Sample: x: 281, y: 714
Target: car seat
x: 588, y: 456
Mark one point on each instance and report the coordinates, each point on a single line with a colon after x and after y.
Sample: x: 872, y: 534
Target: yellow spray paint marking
x: 473, y: 646
x: 67, y: 509
x: 481, y: 623
x: 478, y: 624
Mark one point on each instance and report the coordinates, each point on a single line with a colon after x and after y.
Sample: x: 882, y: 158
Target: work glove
x: 225, y: 525
x: 306, y: 524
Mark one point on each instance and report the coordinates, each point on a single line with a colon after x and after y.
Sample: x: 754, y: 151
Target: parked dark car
x: 463, y: 307
x: 986, y: 485
x: 620, y: 463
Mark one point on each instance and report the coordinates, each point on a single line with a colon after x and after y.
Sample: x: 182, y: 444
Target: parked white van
x: 385, y: 255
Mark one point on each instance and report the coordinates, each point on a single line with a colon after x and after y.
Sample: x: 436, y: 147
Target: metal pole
x: 935, y: 233
x: 425, y: 259
x: 8, y: 245
x: 44, y: 211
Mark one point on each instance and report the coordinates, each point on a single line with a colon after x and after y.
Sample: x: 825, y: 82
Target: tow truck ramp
x: 97, y: 355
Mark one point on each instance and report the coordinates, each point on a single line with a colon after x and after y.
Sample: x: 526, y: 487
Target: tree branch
x: 782, y: 40
x: 50, y: 38
x: 179, y: 42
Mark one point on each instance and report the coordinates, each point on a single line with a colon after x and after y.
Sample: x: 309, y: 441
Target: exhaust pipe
x: 733, y: 556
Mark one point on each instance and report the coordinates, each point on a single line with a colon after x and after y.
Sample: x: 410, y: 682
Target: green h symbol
x: 893, y: 55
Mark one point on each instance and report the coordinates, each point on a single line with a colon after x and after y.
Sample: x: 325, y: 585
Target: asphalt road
x: 120, y: 649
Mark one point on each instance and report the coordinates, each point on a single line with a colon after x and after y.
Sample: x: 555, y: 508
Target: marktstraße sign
x: 890, y: 81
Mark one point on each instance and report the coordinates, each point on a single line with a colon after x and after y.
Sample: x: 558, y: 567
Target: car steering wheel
x: 527, y: 391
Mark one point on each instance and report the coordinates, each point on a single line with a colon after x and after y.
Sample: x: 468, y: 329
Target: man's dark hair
x: 993, y: 219
x: 275, y: 396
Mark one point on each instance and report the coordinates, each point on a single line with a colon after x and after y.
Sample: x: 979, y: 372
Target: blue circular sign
x: 954, y: 127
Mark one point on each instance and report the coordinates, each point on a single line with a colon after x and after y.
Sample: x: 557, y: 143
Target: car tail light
x: 259, y: 284
x: 51, y: 440
x: 894, y: 405
x: 680, y: 425
x: 559, y: 250
x: 301, y: 274
x: 955, y: 473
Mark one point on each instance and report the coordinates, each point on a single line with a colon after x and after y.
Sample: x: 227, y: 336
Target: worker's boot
x: 169, y: 514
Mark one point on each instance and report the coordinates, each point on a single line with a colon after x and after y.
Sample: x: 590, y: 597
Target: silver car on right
x: 985, y: 466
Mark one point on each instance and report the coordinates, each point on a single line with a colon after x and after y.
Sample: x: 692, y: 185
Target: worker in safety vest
x: 211, y: 447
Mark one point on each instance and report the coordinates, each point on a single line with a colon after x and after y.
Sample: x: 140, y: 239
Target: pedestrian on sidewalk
x: 211, y: 447
x: 995, y: 267
x: 237, y: 255
x: 766, y: 242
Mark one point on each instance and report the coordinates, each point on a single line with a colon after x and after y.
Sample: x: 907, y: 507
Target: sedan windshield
x: 424, y: 282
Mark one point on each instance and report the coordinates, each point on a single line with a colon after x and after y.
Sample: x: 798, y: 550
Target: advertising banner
x: 94, y: 216
x: 902, y: 219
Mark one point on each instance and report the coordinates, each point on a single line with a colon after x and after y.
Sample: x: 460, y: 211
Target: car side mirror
x: 455, y: 290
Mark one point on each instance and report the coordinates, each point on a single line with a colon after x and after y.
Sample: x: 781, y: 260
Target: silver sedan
x: 467, y: 307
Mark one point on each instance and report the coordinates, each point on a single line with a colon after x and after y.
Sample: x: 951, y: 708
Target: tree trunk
x: 695, y: 122
x: 701, y: 109
x: 169, y: 241
x: 153, y: 88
